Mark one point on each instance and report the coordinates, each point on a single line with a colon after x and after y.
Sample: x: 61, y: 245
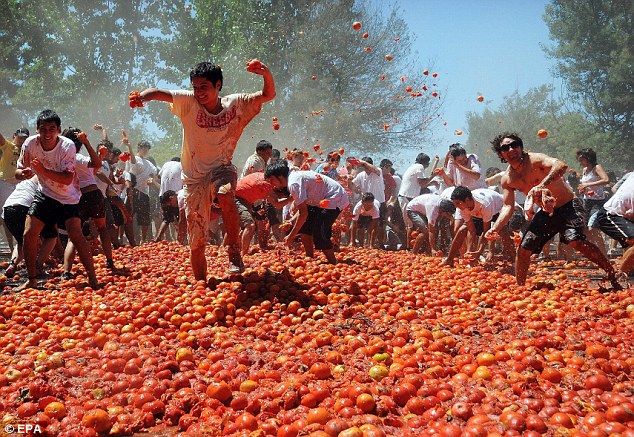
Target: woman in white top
x: 592, y: 190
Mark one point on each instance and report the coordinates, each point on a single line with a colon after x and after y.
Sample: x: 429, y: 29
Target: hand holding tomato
x: 491, y: 235
x: 82, y: 137
x: 256, y: 66
x: 124, y: 157
x: 37, y: 166
x: 136, y: 101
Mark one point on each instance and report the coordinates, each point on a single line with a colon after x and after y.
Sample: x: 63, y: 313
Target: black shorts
x: 364, y: 221
x: 110, y: 222
x: 246, y: 218
x: 91, y: 205
x: 479, y: 223
x: 15, y: 219
x: 419, y: 221
x: 615, y: 226
x: 142, y: 208
x: 319, y: 225
x: 170, y: 214
x: 567, y: 221
x: 120, y: 213
x: 51, y: 212
x: 383, y: 214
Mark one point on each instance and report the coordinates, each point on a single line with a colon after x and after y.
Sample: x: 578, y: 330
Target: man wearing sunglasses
x: 540, y: 176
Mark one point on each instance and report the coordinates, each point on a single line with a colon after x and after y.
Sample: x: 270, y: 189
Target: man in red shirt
x: 252, y: 193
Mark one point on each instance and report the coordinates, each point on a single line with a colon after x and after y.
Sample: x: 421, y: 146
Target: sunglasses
x: 511, y: 145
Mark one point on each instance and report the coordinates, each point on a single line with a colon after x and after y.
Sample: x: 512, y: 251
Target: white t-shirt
x: 311, y: 188
x: 359, y: 210
x: 459, y: 177
x: 410, y: 186
x: 371, y: 183
x: 427, y: 205
x: 210, y: 140
x: 254, y: 164
x: 105, y: 169
x: 487, y: 203
x: 622, y: 202
x: 23, y: 194
x: 180, y: 195
x: 85, y: 174
x: 143, y: 169
x: 171, y: 177
x: 60, y: 159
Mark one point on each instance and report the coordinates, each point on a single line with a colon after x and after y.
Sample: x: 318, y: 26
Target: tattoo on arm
x: 556, y: 172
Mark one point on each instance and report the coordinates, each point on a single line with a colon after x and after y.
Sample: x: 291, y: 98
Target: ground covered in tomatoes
x: 383, y: 343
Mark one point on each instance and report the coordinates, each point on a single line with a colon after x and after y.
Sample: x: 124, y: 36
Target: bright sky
x: 485, y: 47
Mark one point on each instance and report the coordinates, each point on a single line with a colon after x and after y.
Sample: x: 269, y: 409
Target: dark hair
x: 144, y: 145
x: 207, y: 70
x: 263, y: 145
x: 496, y: 144
x: 461, y: 193
x: 367, y: 197
x: 166, y: 195
x: 589, y: 154
x: 447, y: 206
x: 385, y: 163
x: 116, y: 151
x: 107, y: 144
x: 71, y: 134
x: 278, y: 168
x: 334, y: 156
x: 46, y: 116
x: 276, y: 153
x: 422, y: 158
x: 456, y: 150
x: 492, y: 171
x: 367, y: 159
x: 176, y: 159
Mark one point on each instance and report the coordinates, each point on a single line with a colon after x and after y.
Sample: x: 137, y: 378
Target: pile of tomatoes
x: 383, y: 343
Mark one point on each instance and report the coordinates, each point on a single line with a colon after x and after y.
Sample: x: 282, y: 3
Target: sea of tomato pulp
x: 383, y: 343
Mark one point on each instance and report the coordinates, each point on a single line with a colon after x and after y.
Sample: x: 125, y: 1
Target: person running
x: 540, y: 177
x: 212, y: 126
x: 593, y: 187
x: 318, y: 199
x: 52, y: 158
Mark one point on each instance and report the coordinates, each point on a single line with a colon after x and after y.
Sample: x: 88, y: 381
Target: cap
x: 22, y: 132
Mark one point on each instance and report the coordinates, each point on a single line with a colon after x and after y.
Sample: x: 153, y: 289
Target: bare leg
x: 161, y: 230
x: 627, y: 265
x: 330, y: 255
x: 73, y: 226
x: 594, y: 254
x: 199, y: 263
x: 309, y: 245
x: 420, y: 240
x: 104, y: 236
x: 45, y: 251
x: 522, y: 261
x: 69, y: 254
x: 247, y: 236
x: 456, y: 244
x: 32, y: 230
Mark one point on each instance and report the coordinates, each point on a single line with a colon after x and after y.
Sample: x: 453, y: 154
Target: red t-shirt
x: 253, y: 187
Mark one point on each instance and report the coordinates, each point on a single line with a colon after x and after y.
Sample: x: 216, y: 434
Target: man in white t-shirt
x: 475, y: 210
x: 318, y: 199
x: 414, y: 180
x: 365, y: 217
x: 256, y: 162
x: 423, y: 212
x: 171, y: 176
x: 52, y: 158
x: 616, y: 219
x: 212, y: 126
x: 370, y: 180
x: 462, y: 169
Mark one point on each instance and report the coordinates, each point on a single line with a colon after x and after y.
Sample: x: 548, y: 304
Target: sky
x: 485, y: 47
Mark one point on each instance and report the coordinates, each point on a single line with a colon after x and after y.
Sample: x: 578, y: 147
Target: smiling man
x: 540, y: 177
x: 212, y: 126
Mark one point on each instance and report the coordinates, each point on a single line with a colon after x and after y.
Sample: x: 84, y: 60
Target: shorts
x: 419, y: 221
x: 170, y: 214
x: 615, y: 226
x: 479, y: 223
x: 15, y: 219
x: 383, y: 214
x: 403, y: 201
x: 110, y: 223
x: 567, y: 221
x: 120, y: 214
x: 199, y: 198
x: 142, y: 208
x: 319, y: 225
x: 91, y: 205
x: 51, y: 212
x: 364, y: 221
x: 246, y: 218
x: 592, y: 208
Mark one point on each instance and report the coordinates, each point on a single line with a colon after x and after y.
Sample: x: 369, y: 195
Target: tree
x: 595, y: 49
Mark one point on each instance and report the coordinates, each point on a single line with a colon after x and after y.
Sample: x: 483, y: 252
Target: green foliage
x: 595, y: 49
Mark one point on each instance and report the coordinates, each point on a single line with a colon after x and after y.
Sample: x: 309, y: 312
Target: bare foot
x: 30, y: 283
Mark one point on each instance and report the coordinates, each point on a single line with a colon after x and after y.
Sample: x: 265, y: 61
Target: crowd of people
x: 57, y: 199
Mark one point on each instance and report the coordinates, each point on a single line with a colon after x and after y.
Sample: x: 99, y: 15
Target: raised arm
x: 150, y: 94
x: 268, y: 92
x: 95, y: 162
x: 370, y: 168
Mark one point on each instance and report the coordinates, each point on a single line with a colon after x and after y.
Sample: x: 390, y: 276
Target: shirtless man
x: 540, y: 177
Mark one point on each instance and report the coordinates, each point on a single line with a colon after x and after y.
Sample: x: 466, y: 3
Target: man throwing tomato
x: 212, y: 126
x: 540, y: 177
